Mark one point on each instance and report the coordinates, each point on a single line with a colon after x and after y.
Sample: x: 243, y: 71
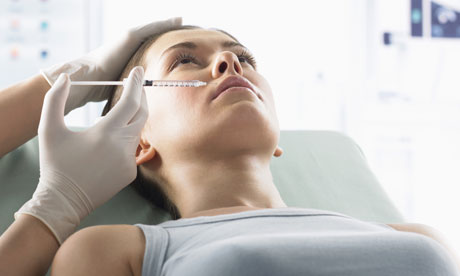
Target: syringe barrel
x: 171, y: 83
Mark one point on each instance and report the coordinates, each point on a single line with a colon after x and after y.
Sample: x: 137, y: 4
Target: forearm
x: 27, y: 247
x: 20, y: 110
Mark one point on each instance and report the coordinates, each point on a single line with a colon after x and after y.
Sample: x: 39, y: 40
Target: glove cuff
x: 43, y: 73
x: 60, y: 237
x: 61, y: 225
x: 60, y: 212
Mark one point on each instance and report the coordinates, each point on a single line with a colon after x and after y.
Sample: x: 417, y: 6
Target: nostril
x: 236, y: 68
x: 223, y: 67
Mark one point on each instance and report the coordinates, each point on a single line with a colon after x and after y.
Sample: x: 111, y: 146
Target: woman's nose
x: 227, y: 63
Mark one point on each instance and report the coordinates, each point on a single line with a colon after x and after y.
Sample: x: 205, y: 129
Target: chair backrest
x: 327, y: 170
x: 319, y: 169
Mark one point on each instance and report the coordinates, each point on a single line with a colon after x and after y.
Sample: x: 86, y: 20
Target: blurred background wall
x: 384, y: 72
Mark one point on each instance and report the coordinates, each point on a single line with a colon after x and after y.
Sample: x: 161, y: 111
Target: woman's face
x: 186, y: 121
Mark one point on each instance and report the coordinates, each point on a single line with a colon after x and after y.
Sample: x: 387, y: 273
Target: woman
x: 208, y: 149
x: 203, y: 128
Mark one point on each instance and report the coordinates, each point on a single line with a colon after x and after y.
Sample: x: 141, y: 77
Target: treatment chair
x: 319, y: 169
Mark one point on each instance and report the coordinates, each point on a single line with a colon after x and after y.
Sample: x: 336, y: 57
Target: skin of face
x: 214, y: 154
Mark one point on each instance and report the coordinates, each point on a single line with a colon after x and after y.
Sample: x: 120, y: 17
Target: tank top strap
x: 156, y: 243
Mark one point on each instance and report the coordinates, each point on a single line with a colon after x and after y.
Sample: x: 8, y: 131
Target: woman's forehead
x: 197, y: 36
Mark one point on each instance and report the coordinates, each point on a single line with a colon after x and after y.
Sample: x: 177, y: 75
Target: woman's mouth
x: 234, y: 82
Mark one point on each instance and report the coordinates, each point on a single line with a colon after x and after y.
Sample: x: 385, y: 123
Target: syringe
x: 155, y: 83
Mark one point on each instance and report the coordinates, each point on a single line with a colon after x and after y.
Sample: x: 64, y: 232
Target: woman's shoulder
x: 117, y: 249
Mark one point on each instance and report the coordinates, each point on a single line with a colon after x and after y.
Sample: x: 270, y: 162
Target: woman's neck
x: 222, y: 187
x: 222, y: 211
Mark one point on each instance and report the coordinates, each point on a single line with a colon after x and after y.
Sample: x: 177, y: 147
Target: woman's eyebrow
x: 191, y: 45
x: 230, y: 44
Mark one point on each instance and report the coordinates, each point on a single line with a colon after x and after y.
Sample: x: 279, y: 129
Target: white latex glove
x: 80, y: 171
x: 103, y: 64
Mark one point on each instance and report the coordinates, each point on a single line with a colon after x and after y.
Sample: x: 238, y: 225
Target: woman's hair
x: 148, y: 188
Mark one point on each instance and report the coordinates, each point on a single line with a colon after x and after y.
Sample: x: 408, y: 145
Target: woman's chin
x: 241, y: 120
x: 243, y: 113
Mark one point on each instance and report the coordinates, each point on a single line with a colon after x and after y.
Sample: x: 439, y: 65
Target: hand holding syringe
x: 155, y: 83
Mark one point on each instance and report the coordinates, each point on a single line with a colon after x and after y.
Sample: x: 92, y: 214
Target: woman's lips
x: 233, y: 81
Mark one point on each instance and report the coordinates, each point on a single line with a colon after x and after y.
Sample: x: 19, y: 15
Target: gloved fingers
x: 144, y: 31
x: 130, y: 102
x: 52, y: 117
x: 137, y: 123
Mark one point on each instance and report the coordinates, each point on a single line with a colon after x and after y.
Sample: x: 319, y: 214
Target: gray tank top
x: 289, y: 241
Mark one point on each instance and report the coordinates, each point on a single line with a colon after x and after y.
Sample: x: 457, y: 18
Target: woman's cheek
x: 155, y: 105
x: 265, y: 88
x: 267, y: 94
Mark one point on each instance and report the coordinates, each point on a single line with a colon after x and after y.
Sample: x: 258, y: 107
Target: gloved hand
x: 103, y: 64
x: 80, y: 171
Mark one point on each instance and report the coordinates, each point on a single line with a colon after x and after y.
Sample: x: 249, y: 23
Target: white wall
x: 409, y: 126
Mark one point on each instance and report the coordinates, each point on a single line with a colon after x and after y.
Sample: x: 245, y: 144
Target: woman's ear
x: 278, y: 151
x: 145, y: 152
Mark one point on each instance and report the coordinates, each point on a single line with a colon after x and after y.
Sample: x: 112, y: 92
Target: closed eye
x: 183, y: 58
x: 187, y: 58
x: 245, y: 56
